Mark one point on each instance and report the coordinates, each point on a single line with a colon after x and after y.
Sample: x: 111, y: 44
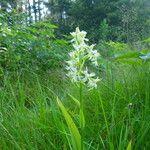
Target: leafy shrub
x: 125, y: 53
x: 34, y: 46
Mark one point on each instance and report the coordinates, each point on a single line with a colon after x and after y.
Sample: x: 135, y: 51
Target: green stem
x: 106, y: 123
x: 81, y: 96
x: 81, y: 114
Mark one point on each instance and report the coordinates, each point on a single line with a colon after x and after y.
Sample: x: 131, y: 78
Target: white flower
x: 71, y: 64
x: 87, y: 75
x: 73, y: 76
x: 77, y: 70
x: 93, y: 55
x: 130, y: 105
x: 79, y: 36
x: 79, y: 47
x: 95, y: 62
x: 3, y: 34
x: 93, y: 83
x: 78, y: 33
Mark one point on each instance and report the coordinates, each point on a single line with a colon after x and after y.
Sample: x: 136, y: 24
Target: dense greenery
x: 40, y: 108
x: 126, y: 20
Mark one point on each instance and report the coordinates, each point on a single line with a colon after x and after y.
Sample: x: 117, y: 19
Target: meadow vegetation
x: 42, y: 109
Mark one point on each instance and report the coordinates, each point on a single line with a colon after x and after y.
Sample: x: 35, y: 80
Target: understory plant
x: 79, y: 72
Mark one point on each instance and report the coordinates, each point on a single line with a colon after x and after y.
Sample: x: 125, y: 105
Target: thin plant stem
x: 81, y: 114
x: 106, y: 123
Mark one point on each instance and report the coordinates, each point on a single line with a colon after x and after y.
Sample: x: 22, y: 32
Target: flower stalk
x: 79, y: 73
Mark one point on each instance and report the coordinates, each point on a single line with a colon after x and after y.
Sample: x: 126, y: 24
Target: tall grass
x: 116, y: 114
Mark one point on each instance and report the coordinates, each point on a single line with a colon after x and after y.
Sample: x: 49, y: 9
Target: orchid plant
x: 77, y: 69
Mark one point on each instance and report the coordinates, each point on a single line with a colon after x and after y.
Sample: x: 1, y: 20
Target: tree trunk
x: 39, y: 9
x: 29, y: 11
x: 35, y: 10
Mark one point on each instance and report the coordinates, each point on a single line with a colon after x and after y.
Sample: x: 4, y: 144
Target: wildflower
x: 79, y: 36
x: 93, y: 82
x: 3, y: 34
x: 93, y: 56
x: 130, y: 105
x: 82, y: 53
x: 87, y: 75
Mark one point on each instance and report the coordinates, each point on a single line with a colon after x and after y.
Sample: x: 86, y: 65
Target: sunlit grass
x: 117, y: 113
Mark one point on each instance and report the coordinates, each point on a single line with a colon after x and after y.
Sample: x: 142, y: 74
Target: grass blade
x: 75, y: 135
x: 129, y: 146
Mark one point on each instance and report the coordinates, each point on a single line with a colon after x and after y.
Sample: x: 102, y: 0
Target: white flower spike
x: 77, y: 70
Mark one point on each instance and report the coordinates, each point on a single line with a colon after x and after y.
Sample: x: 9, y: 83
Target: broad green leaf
x: 62, y: 42
x: 147, y: 40
x: 129, y: 146
x: 82, y: 119
x: 75, y: 135
x: 75, y: 100
x: 131, y: 61
x: 144, y: 51
x: 129, y: 54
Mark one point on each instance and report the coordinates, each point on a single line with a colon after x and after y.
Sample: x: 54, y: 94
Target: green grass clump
x: 116, y: 114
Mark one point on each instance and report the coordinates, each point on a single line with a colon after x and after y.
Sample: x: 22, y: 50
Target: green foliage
x: 124, y: 53
x: 34, y: 46
x: 32, y: 57
x: 75, y: 135
x: 30, y: 118
x: 128, y: 21
x: 129, y: 146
